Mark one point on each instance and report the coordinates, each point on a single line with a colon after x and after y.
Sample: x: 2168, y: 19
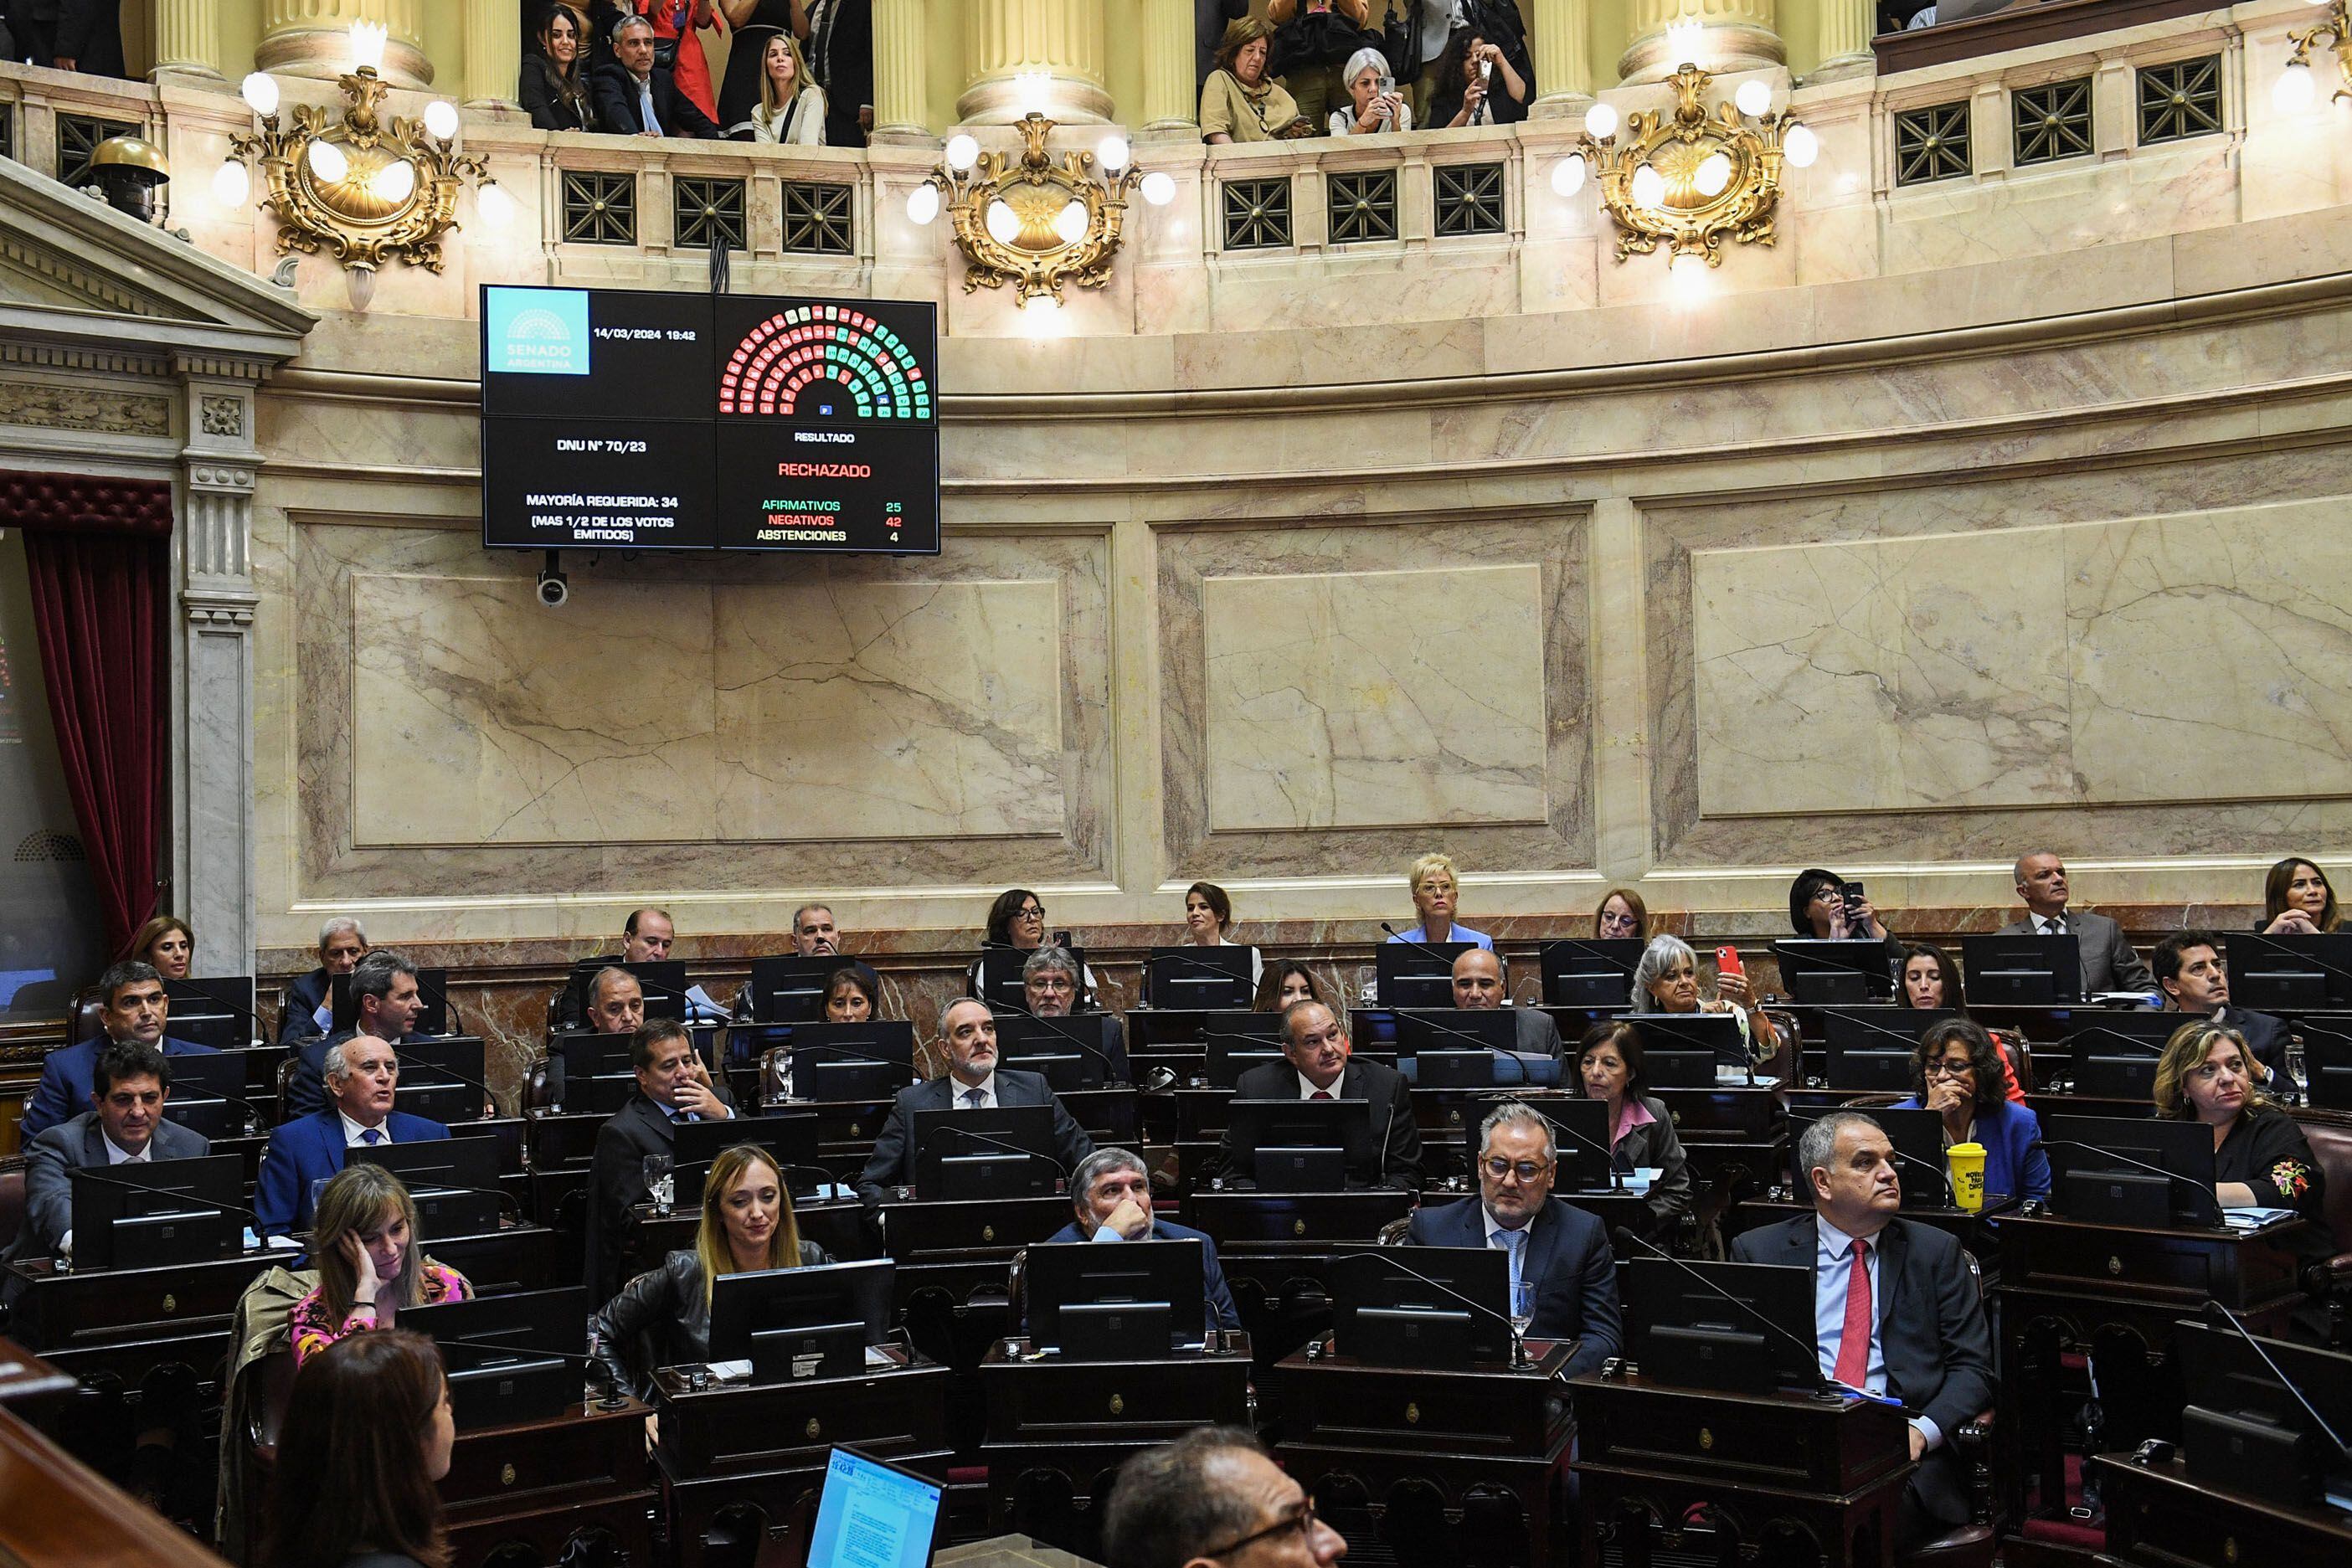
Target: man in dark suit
x: 1112, y: 1193
x: 1916, y: 1321
x: 386, y: 1001
x: 672, y: 1087
x: 361, y: 1076
x: 2195, y: 982
x: 1562, y: 1251
x: 843, y: 62
x: 636, y: 97
x: 131, y: 1007
x: 2109, y: 962
x: 1478, y: 987
x: 124, y: 1125
x: 310, y: 1010
x: 1051, y: 985
x: 1316, y: 1065
x: 972, y: 1082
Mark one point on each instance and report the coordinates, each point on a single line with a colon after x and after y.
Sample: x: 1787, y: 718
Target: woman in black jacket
x: 662, y: 1318
x: 1640, y: 1129
x: 555, y: 83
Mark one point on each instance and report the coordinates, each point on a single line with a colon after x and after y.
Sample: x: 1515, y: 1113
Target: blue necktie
x: 371, y: 1136
x: 1514, y: 1242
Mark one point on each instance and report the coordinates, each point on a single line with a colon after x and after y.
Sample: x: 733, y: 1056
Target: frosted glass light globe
x: 1112, y: 153
x: 1004, y: 226
x: 1070, y: 223
x: 923, y: 204
x: 328, y: 164
x: 1802, y: 146
x: 495, y: 205
x: 1754, y: 98
x: 1713, y: 174
x: 1567, y: 175
x: 1158, y: 188
x: 394, y: 183
x: 2294, y: 90
x: 232, y: 184
x: 963, y: 151
x: 1649, y: 187
x: 1601, y: 122
x: 441, y: 118
x: 259, y: 91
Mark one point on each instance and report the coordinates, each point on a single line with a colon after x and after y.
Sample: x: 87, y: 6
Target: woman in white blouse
x: 791, y: 104
x: 1370, y: 111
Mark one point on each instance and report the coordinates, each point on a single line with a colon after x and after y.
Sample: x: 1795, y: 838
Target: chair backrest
x: 2019, y: 1053
x: 82, y: 1022
x: 2329, y: 1133
x: 1392, y: 1234
x: 12, y: 1202
x: 285, y: 1090
x: 273, y: 1377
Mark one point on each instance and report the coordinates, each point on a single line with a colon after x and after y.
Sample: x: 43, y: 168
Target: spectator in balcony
x: 677, y: 24
x: 1370, y: 109
x: 1313, y: 43
x: 842, y: 32
x: 791, y: 108
x: 83, y: 36
x: 554, y: 87
x: 1209, y: 20
x: 1479, y: 84
x: 635, y: 97
x: 1239, y: 101
x: 750, y: 23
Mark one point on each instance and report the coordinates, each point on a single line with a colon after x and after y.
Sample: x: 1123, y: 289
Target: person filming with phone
x: 1378, y: 106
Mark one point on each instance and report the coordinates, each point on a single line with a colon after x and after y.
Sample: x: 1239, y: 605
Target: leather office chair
x: 2329, y: 1280
x: 11, y: 1201
x: 81, y: 1022
x: 285, y: 1091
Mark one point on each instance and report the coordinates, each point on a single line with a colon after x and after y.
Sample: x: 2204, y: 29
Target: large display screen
x: 622, y: 419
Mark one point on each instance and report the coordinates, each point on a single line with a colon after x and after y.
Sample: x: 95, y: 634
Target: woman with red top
x: 679, y: 23
x: 370, y: 1260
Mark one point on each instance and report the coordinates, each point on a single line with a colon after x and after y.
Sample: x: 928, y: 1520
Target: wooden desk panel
x: 2160, y: 1517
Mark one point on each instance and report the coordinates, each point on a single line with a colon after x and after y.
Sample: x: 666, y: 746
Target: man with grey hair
x: 1112, y: 1193
x: 361, y: 1075
x: 1896, y: 1312
x: 636, y: 97
x: 385, y: 1003
x: 308, y: 1012
x: 1053, y: 984
x: 815, y: 936
x: 1558, y: 1253
x: 2109, y: 962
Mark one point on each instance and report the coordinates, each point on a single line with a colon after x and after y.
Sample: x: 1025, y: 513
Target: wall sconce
x: 363, y: 190
x: 1035, y: 224
x: 1688, y: 179
x: 2295, y: 90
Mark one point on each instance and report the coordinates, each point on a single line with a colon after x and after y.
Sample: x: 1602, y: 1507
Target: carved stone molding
x: 223, y: 367
x: 221, y: 612
x: 103, y: 411
x: 63, y: 357
x: 220, y: 477
x: 222, y: 413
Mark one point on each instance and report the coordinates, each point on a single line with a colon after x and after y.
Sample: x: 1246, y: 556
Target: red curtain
x: 98, y: 551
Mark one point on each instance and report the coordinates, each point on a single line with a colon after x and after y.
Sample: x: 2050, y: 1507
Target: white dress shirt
x: 354, y: 1135
x: 1308, y: 1089
x: 987, y: 1087
x: 1834, y: 1267
x: 2049, y: 925
x: 1495, y: 1233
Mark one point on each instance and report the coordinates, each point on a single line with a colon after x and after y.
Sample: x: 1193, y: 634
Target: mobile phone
x: 1727, y: 962
x: 1852, y: 892
x: 1485, y: 69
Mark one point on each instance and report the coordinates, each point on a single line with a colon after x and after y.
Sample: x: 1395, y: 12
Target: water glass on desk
x: 1523, y: 1306
x: 661, y: 1185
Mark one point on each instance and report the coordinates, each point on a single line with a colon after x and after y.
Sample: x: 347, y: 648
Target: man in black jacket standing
x: 672, y: 1087
x: 635, y: 97
x: 1895, y: 1310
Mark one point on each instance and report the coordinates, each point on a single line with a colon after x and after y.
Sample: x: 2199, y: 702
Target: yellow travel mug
x: 1966, y: 1161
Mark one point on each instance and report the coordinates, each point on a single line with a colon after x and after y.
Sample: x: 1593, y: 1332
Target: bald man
x: 1478, y: 988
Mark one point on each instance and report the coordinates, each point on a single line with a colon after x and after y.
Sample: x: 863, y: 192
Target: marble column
x: 312, y: 38
x: 1563, y: 56
x: 1846, y: 28
x: 1046, y: 55
x: 493, y: 54
x: 187, y: 37
x: 901, y: 85
x: 1172, y: 98
x: 212, y: 820
x: 1732, y: 35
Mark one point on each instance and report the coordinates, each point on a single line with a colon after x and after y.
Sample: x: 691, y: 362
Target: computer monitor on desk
x: 2328, y: 1060
x: 215, y: 1011
x: 790, y: 989
x: 2245, y: 1430
x: 873, y: 1515
x: 1205, y: 977
x: 1919, y: 1140
x: 209, y: 1095
x: 511, y: 1367
x: 1457, y: 1316
x: 2290, y: 974
x: 160, y: 1212
x: 432, y: 986
x: 1836, y: 971
x: 789, y: 1137
x: 1132, y: 1299
x: 1007, y: 1152
x: 2022, y: 971
x: 852, y: 1062
x: 440, y: 1079
x: 1868, y: 1050
x: 1456, y: 1048
x: 598, y: 1074
x: 454, y: 1181
x: 1581, y: 1144
x: 1006, y: 988
x: 1231, y: 1055
x: 2112, y: 1055
x: 663, y: 981
x: 1069, y: 1052
x: 1416, y: 973
x: 800, y: 1323
x: 1686, y: 1050
x: 2113, y: 1170
x: 1304, y: 1145
x: 1581, y: 973
x: 1734, y: 1327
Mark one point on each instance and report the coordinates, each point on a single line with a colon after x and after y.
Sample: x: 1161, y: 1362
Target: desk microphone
x: 844, y: 1054
x: 489, y: 1097
x: 1010, y: 1148
x: 2211, y: 1196
x: 1052, y: 1025
x: 1640, y: 1020
x: 2276, y: 945
x: 1520, y: 1360
x: 1823, y: 1388
x: 506, y: 1199
x: 611, y: 1399
x: 1420, y: 1017
x: 1831, y: 960
x: 253, y: 1120
x: 209, y: 1204
x: 197, y: 1012
x: 439, y: 997
x: 1951, y: 1199
x: 2285, y: 1382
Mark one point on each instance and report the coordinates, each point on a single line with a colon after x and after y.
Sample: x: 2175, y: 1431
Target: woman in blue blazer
x: 1956, y: 1072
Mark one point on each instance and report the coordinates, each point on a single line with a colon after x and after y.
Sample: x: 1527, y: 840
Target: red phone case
x: 1727, y: 961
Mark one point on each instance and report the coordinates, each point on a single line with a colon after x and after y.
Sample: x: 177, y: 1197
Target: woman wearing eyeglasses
x: 1955, y: 1073
x: 1016, y: 928
x: 2260, y: 1159
x: 1640, y: 1129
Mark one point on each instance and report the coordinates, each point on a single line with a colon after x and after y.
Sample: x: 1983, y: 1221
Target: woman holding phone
x: 1374, y: 105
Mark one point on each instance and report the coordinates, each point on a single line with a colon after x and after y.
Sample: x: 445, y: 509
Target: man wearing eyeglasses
x: 1214, y: 1495
x: 1562, y: 1253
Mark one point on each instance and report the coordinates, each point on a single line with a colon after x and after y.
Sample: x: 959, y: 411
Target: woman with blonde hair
x: 1436, y: 891
x: 791, y: 104
x: 746, y: 1225
x: 370, y: 1261
x: 2260, y: 1159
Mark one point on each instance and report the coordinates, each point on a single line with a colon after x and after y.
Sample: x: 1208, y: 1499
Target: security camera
x: 554, y: 588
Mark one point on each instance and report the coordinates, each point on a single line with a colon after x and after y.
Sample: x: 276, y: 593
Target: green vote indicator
x: 825, y: 362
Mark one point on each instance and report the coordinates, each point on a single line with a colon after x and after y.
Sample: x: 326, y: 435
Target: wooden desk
x: 576, y: 1479
x: 1830, y: 1471
x: 1451, y: 1466
x: 1058, y: 1430
x: 756, y: 1453
x: 54, y: 1509
x: 1245, y: 1220
x: 2159, y: 1517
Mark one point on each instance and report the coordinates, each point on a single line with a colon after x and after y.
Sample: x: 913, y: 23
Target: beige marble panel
x: 1375, y: 699
x: 2210, y: 657
x: 480, y: 717
x: 889, y: 710
x: 1903, y: 674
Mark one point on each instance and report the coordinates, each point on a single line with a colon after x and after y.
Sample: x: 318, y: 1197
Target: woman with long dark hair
x: 554, y: 87
x: 366, y: 1438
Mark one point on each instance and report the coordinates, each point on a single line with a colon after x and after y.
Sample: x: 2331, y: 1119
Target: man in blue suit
x: 1562, y: 1251
x: 362, y: 1073
x: 1112, y: 1193
x: 131, y: 1007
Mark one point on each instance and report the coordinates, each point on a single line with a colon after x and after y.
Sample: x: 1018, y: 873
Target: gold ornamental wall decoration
x: 1690, y: 178
x: 2296, y: 88
x: 1034, y: 222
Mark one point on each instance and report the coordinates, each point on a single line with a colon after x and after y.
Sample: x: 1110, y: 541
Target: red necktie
x: 1853, y: 1340
x: 1320, y: 1095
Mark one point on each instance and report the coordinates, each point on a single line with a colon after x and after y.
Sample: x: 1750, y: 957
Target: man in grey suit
x: 129, y: 1082
x: 972, y: 1082
x: 2109, y: 962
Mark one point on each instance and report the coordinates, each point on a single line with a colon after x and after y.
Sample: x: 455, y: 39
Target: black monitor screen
x: 936, y: 1137
x: 1084, y: 1036
x: 206, y: 1185
x: 1919, y: 1140
x: 2122, y: 1149
x: 1839, y: 970
x: 432, y: 985
x: 1379, y: 1278
x: 2022, y: 971
x: 1118, y: 1274
x: 790, y: 989
x: 1200, y: 977
x: 465, y: 1163
x: 743, y: 1304
x: 1589, y: 973
x: 1416, y: 973
x: 2290, y: 974
x: 1720, y: 1325
x: 791, y: 1141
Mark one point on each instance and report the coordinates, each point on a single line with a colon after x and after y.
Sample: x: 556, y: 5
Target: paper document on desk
x: 2254, y: 1219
